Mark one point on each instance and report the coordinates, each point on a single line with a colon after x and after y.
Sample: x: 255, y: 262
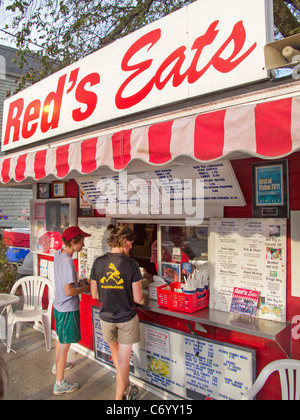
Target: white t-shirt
x: 65, y: 273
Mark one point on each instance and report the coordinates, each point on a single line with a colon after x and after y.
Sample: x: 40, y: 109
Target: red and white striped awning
x: 268, y: 130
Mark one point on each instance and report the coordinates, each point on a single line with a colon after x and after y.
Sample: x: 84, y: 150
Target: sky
x: 6, y: 19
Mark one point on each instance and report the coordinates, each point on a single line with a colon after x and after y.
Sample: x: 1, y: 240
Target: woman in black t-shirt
x: 116, y: 282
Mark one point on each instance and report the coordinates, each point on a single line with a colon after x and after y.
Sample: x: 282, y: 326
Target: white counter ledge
x: 269, y: 330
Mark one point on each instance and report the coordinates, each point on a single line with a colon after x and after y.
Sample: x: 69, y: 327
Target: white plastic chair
x: 289, y: 372
x: 33, y: 289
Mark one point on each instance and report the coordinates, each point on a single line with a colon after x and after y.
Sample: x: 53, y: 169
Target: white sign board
x: 175, y: 192
x: 249, y: 254
x: 187, y: 366
x: 204, y: 47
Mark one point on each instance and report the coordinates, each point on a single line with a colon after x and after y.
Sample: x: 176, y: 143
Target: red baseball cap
x: 72, y: 232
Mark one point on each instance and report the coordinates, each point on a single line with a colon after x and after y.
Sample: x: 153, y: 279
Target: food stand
x: 173, y: 153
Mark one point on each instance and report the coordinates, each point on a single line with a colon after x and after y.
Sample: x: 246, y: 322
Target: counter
x: 270, y: 340
x: 268, y: 330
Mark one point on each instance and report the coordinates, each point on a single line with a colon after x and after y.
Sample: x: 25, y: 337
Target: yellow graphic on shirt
x: 113, y: 275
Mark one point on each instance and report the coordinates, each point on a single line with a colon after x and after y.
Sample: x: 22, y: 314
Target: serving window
x: 162, y: 248
x: 180, y: 248
x: 146, y: 235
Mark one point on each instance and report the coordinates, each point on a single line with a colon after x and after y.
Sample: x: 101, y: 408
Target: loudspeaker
x: 284, y: 53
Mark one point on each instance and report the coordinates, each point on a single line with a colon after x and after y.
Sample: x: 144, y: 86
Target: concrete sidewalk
x: 30, y: 376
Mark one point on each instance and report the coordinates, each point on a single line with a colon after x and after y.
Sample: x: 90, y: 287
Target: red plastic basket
x: 180, y: 301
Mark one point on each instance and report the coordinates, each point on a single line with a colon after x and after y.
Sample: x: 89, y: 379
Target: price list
x: 169, y: 185
x: 216, y: 371
x: 190, y: 367
x: 249, y: 254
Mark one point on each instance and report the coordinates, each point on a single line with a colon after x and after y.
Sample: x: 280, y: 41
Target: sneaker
x: 65, y: 388
x: 131, y: 392
x: 69, y: 366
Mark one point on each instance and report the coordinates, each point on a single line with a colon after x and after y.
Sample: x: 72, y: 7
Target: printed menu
x: 191, y: 367
x: 249, y: 254
x: 152, y: 192
x: 95, y: 246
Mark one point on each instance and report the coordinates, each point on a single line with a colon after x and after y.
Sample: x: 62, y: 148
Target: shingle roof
x: 9, y: 53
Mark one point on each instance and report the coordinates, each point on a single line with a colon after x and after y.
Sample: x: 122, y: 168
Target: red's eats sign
x: 24, y: 124
x: 177, y: 59
x: 154, y: 70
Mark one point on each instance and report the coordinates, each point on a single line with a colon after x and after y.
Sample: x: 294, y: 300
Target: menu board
x: 95, y: 246
x: 249, y: 254
x: 188, y: 366
x: 174, y: 191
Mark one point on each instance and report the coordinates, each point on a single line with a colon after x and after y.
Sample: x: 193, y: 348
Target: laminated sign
x: 249, y: 254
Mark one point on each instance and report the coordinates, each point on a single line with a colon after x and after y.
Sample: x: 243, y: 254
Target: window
x: 182, y: 246
x: 162, y: 249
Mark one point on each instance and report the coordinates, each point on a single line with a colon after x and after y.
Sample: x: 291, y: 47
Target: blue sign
x: 269, y: 186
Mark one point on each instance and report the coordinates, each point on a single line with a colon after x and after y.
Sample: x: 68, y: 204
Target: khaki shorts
x: 123, y: 333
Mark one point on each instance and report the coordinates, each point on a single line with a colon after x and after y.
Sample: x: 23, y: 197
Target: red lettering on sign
x: 13, y: 120
x: 39, y: 116
x: 47, y: 116
x: 54, y: 99
x: 238, y: 36
x: 86, y: 97
x: 149, y: 39
x: 73, y: 79
x: 32, y: 113
x: 199, y: 45
x: 178, y: 57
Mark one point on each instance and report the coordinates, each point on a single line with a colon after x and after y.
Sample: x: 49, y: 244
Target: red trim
x: 121, y: 146
x: 62, y: 161
x: 39, y: 164
x: 88, y: 156
x: 20, y: 168
x: 5, y: 171
x: 159, y: 136
x: 273, y: 128
x: 209, y: 135
x: 276, y: 136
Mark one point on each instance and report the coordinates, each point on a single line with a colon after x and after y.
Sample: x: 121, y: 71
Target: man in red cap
x: 66, y: 305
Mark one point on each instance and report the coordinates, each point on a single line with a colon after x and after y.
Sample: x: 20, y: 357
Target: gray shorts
x: 123, y: 333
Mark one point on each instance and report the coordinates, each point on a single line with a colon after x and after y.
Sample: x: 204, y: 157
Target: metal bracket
x: 198, y: 327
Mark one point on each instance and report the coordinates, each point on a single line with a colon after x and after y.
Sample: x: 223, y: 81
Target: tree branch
x: 284, y: 19
x: 142, y: 8
x: 295, y: 3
